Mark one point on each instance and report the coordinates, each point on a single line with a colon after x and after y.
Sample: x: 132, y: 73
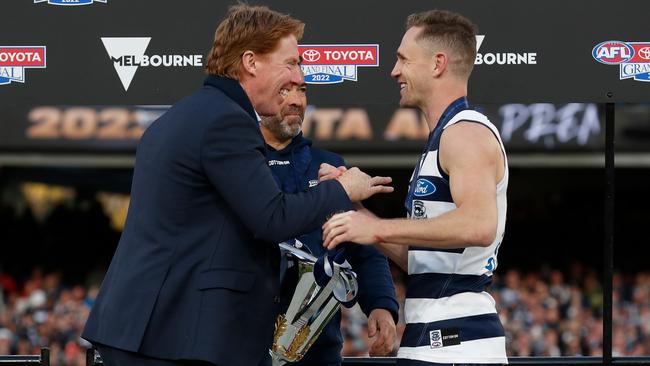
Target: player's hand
x: 357, y: 227
x: 382, y: 333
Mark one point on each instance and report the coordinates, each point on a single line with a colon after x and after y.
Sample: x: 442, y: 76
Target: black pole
x: 45, y: 356
x: 90, y: 357
x: 609, y: 234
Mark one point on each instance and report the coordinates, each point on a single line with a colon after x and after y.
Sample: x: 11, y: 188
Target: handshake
x: 357, y: 184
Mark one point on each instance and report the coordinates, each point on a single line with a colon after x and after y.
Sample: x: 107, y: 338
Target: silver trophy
x: 312, y: 305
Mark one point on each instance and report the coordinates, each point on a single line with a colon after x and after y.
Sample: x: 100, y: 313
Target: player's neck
x: 436, y: 104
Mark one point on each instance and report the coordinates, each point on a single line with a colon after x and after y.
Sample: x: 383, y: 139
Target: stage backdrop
x: 86, y: 75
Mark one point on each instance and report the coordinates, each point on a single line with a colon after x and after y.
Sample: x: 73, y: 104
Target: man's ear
x: 440, y: 62
x: 248, y: 61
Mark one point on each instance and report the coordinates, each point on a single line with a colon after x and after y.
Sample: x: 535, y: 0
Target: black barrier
x: 93, y: 359
x: 20, y: 360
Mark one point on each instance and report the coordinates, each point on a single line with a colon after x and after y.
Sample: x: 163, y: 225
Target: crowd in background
x: 545, y: 313
x: 42, y: 311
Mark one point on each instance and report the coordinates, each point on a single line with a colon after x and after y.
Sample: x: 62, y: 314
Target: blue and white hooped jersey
x: 449, y: 316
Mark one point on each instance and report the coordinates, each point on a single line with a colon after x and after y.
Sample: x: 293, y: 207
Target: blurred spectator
x: 5, y: 341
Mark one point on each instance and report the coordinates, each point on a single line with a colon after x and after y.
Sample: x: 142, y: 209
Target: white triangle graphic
x: 116, y: 47
x: 479, y: 41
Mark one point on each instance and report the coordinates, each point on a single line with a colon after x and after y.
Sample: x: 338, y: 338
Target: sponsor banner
x: 520, y: 58
x: 78, y: 128
x: 638, y: 66
x: 14, y: 60
x: 331, y: 63
x: 128, y: 54
x: 523, y: 127
x: 501, y: 57
x: 633, y: 58
x: 70, y: 2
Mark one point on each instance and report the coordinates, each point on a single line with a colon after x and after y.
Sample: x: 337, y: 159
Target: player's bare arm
x: 470, y: 154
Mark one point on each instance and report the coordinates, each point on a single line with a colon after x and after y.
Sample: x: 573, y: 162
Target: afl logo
x: 424, y: 188
x: 311, y: 55
x: 612, y: 52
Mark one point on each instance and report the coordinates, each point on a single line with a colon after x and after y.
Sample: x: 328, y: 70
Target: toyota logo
x: 644, y: 53
x: 311, y: 55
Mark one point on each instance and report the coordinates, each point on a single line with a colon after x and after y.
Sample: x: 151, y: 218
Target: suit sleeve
x: 232, y: 156
x: 337, y: 161
x: 376, y: 289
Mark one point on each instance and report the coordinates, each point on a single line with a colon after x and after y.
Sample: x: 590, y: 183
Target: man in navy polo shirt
x: 295, y: 164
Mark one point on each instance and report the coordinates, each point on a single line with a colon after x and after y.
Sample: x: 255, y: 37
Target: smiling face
x: 287, y: 124
x: 274, y: 75
x: 413, y: 70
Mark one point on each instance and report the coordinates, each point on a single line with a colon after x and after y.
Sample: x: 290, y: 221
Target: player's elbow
x: 482, y: 235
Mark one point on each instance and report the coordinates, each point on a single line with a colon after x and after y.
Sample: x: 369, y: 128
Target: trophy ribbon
x: 324, y: 284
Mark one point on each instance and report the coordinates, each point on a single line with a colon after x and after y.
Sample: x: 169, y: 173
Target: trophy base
x: 277, y: 361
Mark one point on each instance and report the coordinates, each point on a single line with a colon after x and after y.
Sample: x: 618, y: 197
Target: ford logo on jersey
x: 424, y: 188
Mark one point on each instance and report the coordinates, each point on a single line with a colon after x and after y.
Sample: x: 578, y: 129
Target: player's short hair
x: 450, y: 31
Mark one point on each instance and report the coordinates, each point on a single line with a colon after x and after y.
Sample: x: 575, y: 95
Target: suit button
x: 276, y: 299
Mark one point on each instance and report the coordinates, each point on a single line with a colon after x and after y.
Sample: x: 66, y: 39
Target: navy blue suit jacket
x: 195, y: 275
x: 296, y: 170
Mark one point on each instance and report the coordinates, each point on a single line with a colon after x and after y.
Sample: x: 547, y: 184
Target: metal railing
x: 93, y: 359
x: 27, y: 360
x: 519, y: 361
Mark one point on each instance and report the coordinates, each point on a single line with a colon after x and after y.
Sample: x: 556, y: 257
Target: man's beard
x: 290, y: 131
x: 283, y: 130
